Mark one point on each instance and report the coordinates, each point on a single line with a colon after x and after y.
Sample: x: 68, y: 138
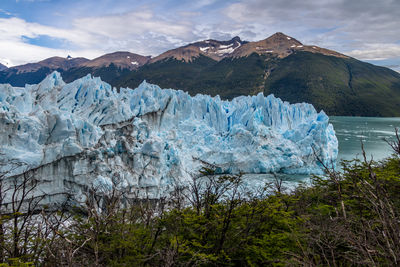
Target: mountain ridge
x: 216, y: 50
x: 278, y: 43
x: 52, y: 63
x: 3, y: 67
x: 121, y: 59
x: 282, y: 45
x: 279, y: 64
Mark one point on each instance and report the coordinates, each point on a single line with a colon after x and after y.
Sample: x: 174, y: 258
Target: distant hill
x: 51, y: 63
x: 279, y: 64
x: 109, y: 66
x: 33, y: 73
x: 124, y: 60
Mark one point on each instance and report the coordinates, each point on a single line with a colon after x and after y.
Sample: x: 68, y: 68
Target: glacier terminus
x: 88, y: 134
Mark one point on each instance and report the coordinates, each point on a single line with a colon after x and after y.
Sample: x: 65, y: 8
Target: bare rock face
x: 282, y: 46
x: 214, y: 49
x: 86, y: 135
x: 278, y: 44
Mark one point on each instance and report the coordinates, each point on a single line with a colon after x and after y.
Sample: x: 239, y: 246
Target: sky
x: 32, y: 30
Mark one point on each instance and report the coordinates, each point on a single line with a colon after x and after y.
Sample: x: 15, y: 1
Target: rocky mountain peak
x: 236, y: 39
x: 280, y: 45
x: 211, y: 48
x: 282, y: 40
x: 3, y: 67
x: 120, y: 59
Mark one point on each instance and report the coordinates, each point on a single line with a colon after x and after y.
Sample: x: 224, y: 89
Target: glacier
x: 86, y: 134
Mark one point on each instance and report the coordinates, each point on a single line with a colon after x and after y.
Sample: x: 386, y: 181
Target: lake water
x: 350, y: 131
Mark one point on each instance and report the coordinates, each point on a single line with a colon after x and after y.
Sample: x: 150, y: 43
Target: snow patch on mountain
x: 226, y: 51
x: 225, y: 46
x: 204, y: 49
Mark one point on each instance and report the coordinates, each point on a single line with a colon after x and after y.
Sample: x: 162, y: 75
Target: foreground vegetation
x: 346, y: 218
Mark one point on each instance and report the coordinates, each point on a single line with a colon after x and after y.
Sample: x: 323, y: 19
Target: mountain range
x: 279, y: 64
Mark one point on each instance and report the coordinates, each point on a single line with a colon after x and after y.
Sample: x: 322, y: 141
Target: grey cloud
x: 364, y: 29
x: 392, y: 66
x: 5, y: 12
x: 247, y: 34
x: 354, y: 24
x: 220, y: 36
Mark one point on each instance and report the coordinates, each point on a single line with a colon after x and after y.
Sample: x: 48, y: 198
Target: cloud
x: 364, y: 29
x: 16, y: 51
x: 202, y: 3
x: 19, y: 53
x: 338, y: 24
x: 14, y: 28
x: 376, y: 51
x: 5, y: 12
x: 128, y: 25
x: 31, y: 1
x: 393, y: 66
x: 140, y: 32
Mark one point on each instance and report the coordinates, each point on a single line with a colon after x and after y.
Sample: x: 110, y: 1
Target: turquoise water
x: 351, y: 131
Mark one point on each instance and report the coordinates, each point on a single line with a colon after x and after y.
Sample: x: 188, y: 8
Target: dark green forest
x: 351, y: 217
x: 228, y: 78
x: 339, y: 86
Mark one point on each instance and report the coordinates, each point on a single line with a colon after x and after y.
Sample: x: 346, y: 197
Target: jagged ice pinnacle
x: 85, y: 133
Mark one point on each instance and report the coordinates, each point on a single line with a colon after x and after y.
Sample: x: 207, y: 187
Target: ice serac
x: 85, y: 133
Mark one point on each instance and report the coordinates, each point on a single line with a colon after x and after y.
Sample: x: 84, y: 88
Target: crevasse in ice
x: 86, y: 133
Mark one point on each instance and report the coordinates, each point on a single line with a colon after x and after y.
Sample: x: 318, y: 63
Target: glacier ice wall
x: 85, y: 133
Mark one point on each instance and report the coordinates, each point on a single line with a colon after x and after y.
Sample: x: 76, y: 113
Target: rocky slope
x: 213, y: 49
x: 109, y: 67
x: 3, y: 67
x: 281, y: 46
x: 125, y: 60
x: 278, y: 44
x: 52, y: 63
